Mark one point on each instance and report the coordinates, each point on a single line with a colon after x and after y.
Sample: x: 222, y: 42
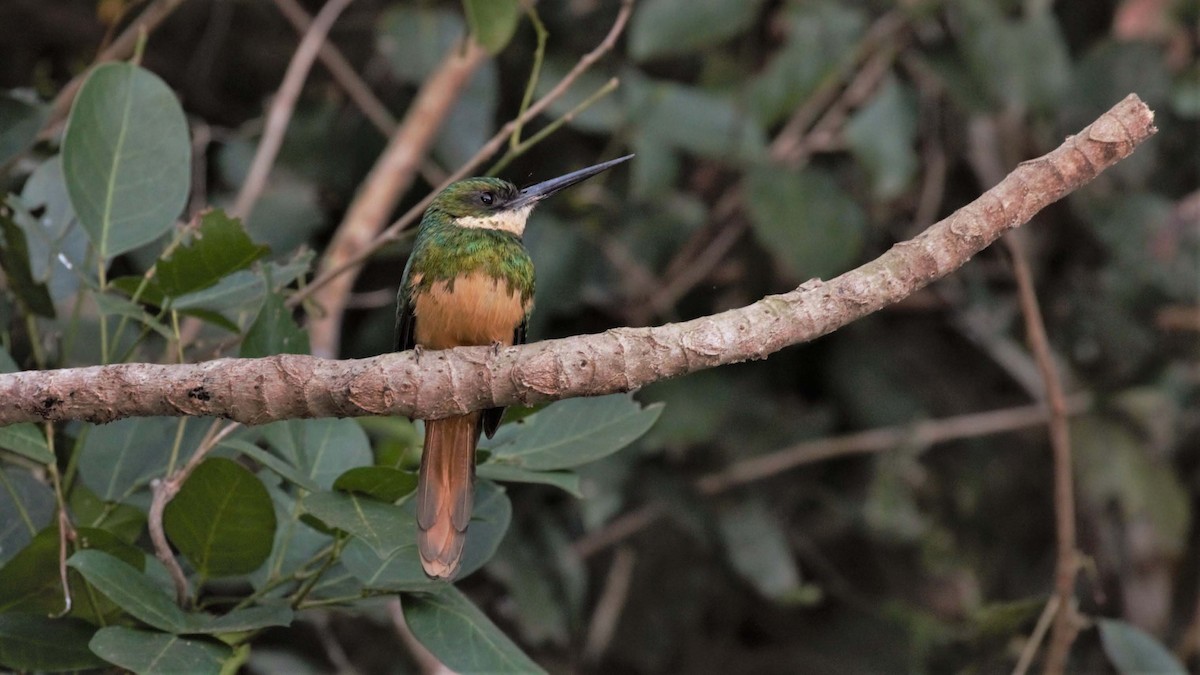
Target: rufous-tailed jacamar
x: 469, y: 281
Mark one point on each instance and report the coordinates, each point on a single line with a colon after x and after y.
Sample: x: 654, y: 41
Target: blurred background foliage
x: 776, y: 141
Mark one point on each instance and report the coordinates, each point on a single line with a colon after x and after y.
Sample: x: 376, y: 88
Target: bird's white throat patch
x: 508, y: 221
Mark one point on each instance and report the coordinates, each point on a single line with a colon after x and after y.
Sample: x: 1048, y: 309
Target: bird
x: 469, y: 281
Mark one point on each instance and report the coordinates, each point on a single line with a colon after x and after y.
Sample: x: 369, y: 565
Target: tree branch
x: 453, y: 382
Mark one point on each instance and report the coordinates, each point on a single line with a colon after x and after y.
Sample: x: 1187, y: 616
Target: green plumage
x: 444, y: 250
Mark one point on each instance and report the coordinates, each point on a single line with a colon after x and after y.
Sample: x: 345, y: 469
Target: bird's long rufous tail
x: 445, y: 491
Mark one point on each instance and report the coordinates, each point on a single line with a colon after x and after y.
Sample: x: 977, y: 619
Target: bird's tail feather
x: 445, y: 491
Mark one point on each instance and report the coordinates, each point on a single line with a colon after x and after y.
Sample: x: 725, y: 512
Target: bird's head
x: 495, y: 204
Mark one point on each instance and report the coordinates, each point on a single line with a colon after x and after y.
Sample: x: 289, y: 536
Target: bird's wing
x: 406, y: 321
x: 490, y: 421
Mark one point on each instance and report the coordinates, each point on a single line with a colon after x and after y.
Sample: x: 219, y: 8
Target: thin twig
x: 922, y: 433
x: 608, y: 608
x: 1038, y: 635
x: 163, y: 491
x: 282, y: 106
x: 1067, y: 564
x: 487, y: 150
x: 388, y: 180
x: 986, y: 157
x: 342, y: 71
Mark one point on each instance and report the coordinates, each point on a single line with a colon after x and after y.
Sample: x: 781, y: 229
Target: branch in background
x: 453, y: 382
x: 1066, y: 625
x: 921, y: 433
x: 988, y: 161
x: 358, y: 91
x: 282, y: 106
x: 490, y: 148
x: 391, y: 176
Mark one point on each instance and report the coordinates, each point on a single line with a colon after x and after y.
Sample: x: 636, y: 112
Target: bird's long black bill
x: 539, y: 191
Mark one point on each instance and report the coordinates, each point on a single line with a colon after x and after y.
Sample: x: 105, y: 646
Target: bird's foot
x: 496, y: 345
x: 418, y: 350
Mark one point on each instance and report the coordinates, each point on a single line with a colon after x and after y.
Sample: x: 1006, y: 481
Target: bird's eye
x: 487, y: 198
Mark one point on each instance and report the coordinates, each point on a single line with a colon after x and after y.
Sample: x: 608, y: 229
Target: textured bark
x: 453, y: 382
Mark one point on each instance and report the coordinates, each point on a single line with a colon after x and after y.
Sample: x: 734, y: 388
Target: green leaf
x: 119, y: 457
x: 58, y: 247
x: 567, y: 481
x: 245, y: 288
x: 131, y: 590
x: 30, y: 582
x: 222, y: 520
x: 1023, y: 63
x: 126, y: 158
x: 401, y: 569
x: 1133, y: 652
x: 219, y: 248
x: 806, y: 221
x: 883, y: 136
x: 380, y: 482
x: 21, y: 117
x: 29, y: 642
x: 239, y: 620
x: 25, y: 439
x: 121, y: 520
x: 756, y: 544
x: 274, y: 332
x: 322, y: 449
x: 279, y: 466
x: 113, y: 305
x: 573, y: 432
x: 26, y: 506
x: 147, y: 652
x: 14, y: 259
x: 492, y: 22
x: 384, y: 527
x: 672, y: 27
x: 461, y: 636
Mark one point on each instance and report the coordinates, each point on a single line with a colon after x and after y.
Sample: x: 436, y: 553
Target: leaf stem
x: 520, y: 148
x: 535, y: 72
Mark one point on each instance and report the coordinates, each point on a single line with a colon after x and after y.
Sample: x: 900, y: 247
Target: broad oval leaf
x: 126, y: 157
x: 883, y: 136
x: 25, y: 439
x: 21, y: 117
x: 321, y: 449
x: 149, y: 652
x: 381, y: 482
x: 29, y: 642
x: 401, y: 569
x: 461, y: 636
x: 274, y: 331
x: 1133, y: 652
x: 240, y: 620
x: 384, y: 527
x: 573, y: 432
x: 26, y: 506
x: 30, y: 582
x: 133, y: 591
x: 222, y: 520
x: 492, y: 22
x: 119, y: 457
x: 219, y: 248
